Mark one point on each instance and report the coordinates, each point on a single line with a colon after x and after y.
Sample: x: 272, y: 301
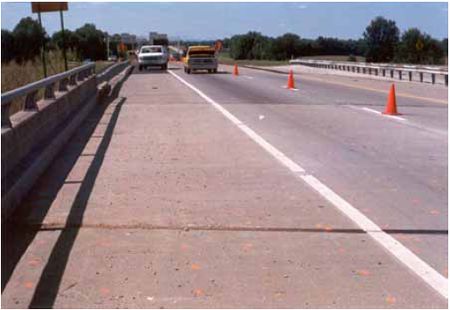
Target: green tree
x: 252, y: 45
x: 91, y: 43
x: 382, y: 37
x: 70, y: 38
x: 286, y: 46
x: 28, y: 38
x: 7, y: 46
x: 444, y: 44
x: 419, y: 48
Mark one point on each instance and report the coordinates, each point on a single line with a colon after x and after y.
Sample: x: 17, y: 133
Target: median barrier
x: 421, y: 74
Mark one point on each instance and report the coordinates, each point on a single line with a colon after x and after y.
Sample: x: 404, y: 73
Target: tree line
x: 380, y: 42
x: 24, y: 42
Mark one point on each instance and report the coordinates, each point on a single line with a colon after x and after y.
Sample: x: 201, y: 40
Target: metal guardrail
x: 112, y: 71
x: 379, y: 69
x: 30, y: 91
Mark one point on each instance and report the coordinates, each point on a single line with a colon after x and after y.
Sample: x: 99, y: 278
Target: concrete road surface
x: 160, y: 201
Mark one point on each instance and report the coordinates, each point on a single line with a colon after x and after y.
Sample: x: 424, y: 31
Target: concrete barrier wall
x: 36, y: 136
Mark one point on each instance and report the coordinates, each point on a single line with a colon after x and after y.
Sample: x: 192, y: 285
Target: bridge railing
x: 57, y: 83
x: 423, y: 74
x: 112, y: 71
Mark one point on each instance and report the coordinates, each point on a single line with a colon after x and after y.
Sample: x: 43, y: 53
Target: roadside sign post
x: 38, y: 7
x: 43, y: 47
x: 64, y: 40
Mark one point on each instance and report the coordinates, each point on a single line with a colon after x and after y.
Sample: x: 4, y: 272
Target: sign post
x: 38, y: 7
x: 43, y: 47
x: 64, y: 40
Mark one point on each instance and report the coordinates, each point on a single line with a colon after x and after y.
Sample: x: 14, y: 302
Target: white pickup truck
x: 153, y: 55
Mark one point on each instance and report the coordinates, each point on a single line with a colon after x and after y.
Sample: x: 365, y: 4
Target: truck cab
x: 153, y: 55
x: 200, y: 58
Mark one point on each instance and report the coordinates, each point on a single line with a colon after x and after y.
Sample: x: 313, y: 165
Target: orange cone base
x: 391, y: 113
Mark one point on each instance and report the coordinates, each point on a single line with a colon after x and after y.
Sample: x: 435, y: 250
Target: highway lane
x: 160, y: 201
x: 395, y: 172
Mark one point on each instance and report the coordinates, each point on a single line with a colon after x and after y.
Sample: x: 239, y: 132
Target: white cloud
x: 302, y: 6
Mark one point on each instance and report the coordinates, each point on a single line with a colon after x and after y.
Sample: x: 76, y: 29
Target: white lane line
x: 293, y: 89
x: 403, y: 254
x: 378, y: 113
x: 248, y: 77
x: 385, y: 115
x: 403, y: 120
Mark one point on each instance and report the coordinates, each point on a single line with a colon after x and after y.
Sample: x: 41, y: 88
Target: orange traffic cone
x: 235, y: 71
x: 291, y: 83
x: 391, y: 105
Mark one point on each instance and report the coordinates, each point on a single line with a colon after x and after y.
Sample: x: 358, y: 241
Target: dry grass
x: 15, y: 75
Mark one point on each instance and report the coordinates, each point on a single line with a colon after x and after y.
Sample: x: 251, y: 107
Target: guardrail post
x: 384, y: 72
x: 400, y: 74
x: 72, y: 80
x: 49, y: 92
x: 446, y: 79
x: 421, y: 76
x: 433, y: 78
x: 30, y: 101
x: 6, y: 122
x: 370, y: 71
x: 410, y: 75
x: 376, y: 71
x: 364, y: 70
x: 80, y: 76
x: 357, y: 69
x: 392, y: 73
x: 63, y: 84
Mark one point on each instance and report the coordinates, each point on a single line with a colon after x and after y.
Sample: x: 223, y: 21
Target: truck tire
x: 214, y: 70
x: 188, y: 71
x: 140, y: 68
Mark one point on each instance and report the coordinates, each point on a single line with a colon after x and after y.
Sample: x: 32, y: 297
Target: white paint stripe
x: 403, y: 254
x: 379, y: 113
x: 293, y: 89
x: 404, y: 121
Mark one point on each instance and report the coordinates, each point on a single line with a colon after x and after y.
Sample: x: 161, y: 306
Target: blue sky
x: 218, y: 20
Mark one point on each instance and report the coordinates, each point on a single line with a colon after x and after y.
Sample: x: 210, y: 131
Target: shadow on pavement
x: 17, y: 235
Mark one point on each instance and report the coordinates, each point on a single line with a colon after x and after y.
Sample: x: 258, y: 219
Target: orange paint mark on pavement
x: 105, y: 291
x: 28, y: 284
x: 328, y: 228
x: 184, y: 247
x: 318, y: 226
x: 390, y: 299
x: 363, y: 273
x: 247, y: 247
x: 195, y: 267
x: 435, y: 212
x: 198, y: 292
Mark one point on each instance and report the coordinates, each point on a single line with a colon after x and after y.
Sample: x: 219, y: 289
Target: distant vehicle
x: 200, y: 58
x: 112, y: 58
x: 153, y: 55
